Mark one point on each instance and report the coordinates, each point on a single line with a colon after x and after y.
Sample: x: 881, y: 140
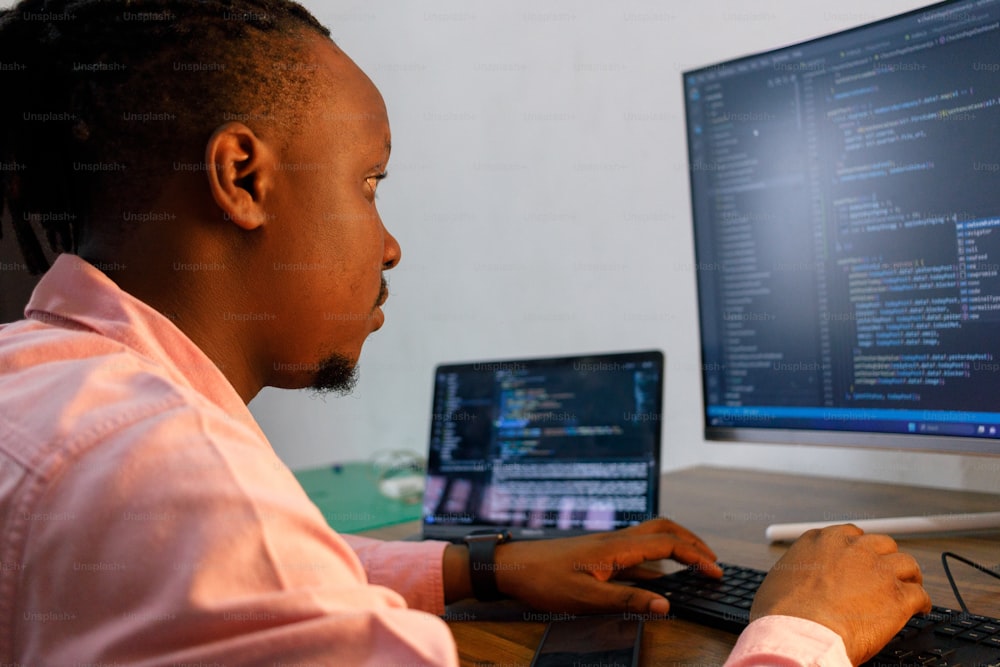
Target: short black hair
x: 104, y: 99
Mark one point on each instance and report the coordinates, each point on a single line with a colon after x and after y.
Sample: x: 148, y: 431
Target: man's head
x: 218, y: 158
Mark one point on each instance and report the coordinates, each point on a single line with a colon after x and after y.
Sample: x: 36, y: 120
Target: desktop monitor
x: 846, y: 216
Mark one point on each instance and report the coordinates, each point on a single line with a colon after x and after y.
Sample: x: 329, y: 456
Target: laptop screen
x: 545, y: 446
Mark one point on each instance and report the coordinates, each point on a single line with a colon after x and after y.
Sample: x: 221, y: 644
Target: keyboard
x: 942, y: 638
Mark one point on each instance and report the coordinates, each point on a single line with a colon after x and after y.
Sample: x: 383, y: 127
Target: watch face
x: 498, y: 536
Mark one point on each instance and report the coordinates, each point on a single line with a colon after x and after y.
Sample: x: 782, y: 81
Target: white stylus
x: 903, y: 525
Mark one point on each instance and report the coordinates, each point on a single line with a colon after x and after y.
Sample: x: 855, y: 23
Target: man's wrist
x: 482, y: 563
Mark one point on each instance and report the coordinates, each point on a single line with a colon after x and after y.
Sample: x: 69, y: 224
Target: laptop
x: 544, y: 447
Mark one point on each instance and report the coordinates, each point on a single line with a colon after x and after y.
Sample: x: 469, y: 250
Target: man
x: 145, y: 518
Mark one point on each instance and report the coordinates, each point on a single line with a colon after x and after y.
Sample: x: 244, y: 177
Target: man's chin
x: 336, y: 374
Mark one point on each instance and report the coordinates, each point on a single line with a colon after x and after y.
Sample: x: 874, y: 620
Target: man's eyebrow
x: 381, y: 165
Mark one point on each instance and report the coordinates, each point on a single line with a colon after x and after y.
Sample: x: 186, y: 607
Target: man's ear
x: 241, y: 171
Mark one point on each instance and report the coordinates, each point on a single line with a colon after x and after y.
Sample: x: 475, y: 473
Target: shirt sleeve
x: 412, y: 569
x: 182, y: 539
x: 786, y: 641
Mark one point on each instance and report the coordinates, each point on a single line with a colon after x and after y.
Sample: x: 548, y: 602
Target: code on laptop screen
x: 566, y: 443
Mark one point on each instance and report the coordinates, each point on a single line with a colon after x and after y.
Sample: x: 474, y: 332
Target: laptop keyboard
x: 942, y: 638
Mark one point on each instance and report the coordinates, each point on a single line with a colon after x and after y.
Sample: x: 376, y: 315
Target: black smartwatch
x: 482, y: 566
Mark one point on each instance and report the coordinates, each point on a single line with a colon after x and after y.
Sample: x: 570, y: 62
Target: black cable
x: 951, y: 579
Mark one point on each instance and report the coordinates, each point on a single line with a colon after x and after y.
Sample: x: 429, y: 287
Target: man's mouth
x: 383, y: 293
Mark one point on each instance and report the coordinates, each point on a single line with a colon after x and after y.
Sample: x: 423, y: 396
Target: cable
x: 951, y: 579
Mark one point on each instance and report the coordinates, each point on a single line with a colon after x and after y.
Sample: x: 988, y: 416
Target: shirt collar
x: 74, y: 293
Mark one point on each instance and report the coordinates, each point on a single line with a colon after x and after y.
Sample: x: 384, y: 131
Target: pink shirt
x: 786, y: 641
x: 146, y: 519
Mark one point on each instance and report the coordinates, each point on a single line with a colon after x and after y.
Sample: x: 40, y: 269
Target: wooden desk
x: 730, y: 509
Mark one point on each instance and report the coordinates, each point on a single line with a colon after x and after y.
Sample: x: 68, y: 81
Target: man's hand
x: 857, y: 585
x: 574, y: 574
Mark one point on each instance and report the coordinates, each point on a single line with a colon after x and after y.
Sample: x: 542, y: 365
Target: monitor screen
x: 847, y: 233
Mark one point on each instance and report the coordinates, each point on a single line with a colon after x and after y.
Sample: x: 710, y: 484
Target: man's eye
x: 373, y: 181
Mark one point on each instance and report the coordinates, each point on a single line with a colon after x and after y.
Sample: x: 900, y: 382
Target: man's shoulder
x: 48, y: 342
x: 66, y: 390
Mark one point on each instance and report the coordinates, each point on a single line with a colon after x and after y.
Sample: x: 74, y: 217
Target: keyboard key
x: 939, y: 614
x: 717, y: 608
x: 948, y: 631
x: 883, y: 661
x: 972, y: 636
x: 893, y: 658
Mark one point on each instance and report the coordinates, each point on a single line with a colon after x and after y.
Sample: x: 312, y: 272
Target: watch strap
x: 482, y: 564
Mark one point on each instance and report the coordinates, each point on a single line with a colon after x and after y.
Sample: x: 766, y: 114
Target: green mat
x: 349, y: 499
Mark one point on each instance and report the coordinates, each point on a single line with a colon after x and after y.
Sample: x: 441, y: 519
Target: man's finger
x: 624, y: 599
x: 880, y: 544
x: 654, y: 546
x: 916, y: 599
x: 640, y: 573
x: 906, y: 567
x: 666, y: 527
x: 704, y: 563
